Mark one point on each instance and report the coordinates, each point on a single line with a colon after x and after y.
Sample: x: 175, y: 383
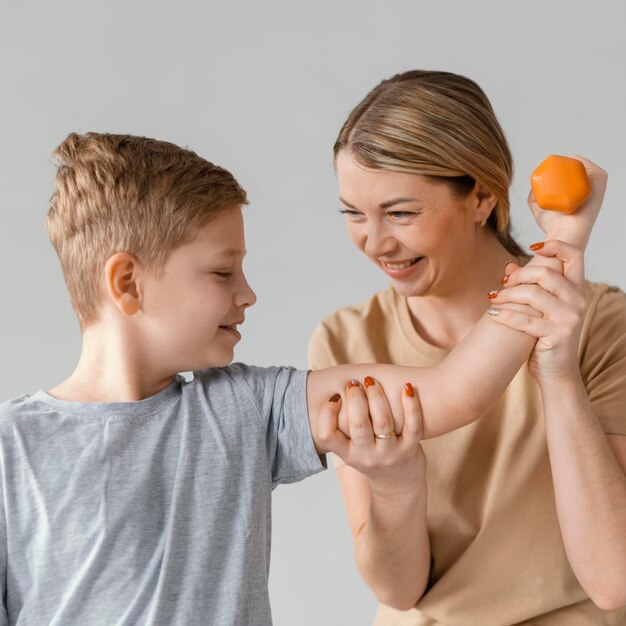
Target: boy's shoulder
x: 222, y: 385
x: 16, y: 408
x: 257, y: 384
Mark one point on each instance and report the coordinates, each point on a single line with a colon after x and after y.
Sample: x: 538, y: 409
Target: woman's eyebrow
x: 390, y: 203
x: 383, y: 205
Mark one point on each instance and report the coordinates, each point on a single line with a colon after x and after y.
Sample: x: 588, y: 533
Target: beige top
x: 498, y: 556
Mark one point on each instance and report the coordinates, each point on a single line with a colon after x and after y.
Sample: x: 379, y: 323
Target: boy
x: 133, y: 497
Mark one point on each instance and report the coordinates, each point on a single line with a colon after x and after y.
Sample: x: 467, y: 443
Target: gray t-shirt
x: 149, y: 512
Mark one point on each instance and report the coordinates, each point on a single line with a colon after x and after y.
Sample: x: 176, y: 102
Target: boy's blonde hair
x: 439, y: 125
x: 122, y: 193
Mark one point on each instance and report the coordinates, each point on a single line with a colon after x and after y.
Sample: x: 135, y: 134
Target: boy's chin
x: 217, y: 360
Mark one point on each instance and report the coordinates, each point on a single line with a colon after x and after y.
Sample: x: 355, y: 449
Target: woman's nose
x: 378, y: 242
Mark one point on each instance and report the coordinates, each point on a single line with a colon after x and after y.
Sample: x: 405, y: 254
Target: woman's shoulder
x: 605, y: 321
x: 604, y: 300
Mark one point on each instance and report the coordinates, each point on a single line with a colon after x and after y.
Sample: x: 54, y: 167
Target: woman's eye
x: 350, y: 214
x: 401, y: 214
x: 223, y: 274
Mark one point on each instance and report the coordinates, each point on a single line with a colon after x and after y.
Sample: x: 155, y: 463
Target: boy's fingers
x: 413, y: 420
x: 383, y: 420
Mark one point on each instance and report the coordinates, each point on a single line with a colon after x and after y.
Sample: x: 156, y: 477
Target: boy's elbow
x: 609, y: 600
x: 608, y: 595
x: 396, y: 600
x: 395, y: 593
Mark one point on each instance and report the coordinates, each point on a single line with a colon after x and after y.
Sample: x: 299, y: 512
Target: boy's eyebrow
x: 236, y: 252
x: 382, y: 205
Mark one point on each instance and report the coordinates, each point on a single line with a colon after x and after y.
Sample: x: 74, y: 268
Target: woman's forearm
x: 392, y: 548
x: 590, y: 492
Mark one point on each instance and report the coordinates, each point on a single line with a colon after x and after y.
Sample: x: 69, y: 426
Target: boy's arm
x: 470, y: 380
x: 452, y: 394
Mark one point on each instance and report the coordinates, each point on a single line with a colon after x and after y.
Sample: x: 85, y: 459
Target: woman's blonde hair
x: 123, y: 193
x: 439, y: 125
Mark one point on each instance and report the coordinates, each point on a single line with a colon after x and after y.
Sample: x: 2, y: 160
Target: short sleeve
x: 321, y: 356
x: 4, y: 619
x: 279, y: 397
x: 603, y: 358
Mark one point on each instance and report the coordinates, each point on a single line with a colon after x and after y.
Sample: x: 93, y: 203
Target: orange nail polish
x: 537, y: 246
x: 505, y: 280
x: 335, y: 398
x: 368, y: 381
x: 408, y: 389
x: 354, y: 383
x: 493, y: 294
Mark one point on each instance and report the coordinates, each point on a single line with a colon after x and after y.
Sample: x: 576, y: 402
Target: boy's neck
x: 110, y: 369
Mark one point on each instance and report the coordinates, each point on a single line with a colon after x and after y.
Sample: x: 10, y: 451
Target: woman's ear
x: 122, y: 275
x: 484, y: 201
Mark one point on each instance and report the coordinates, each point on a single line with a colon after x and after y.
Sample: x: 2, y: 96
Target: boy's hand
x: 386, y: 450
x: 574, y: 228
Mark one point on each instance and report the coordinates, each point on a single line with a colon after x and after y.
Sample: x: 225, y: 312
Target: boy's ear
x: 122, y: 272
x: 483, y: 201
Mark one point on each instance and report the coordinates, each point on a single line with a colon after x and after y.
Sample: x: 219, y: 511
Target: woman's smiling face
x: 415, y: 229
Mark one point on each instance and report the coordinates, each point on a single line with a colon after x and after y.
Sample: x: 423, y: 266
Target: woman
x: 525, y: 512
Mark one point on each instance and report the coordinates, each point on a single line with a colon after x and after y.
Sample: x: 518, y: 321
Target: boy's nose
x: 246, y: 297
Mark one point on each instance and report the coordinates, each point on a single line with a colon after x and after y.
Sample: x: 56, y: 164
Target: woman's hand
x: 560, y: 301
x: 574, y: 228
x: 383, y: 447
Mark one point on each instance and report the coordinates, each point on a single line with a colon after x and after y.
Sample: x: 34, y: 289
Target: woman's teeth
x: 403, y: 265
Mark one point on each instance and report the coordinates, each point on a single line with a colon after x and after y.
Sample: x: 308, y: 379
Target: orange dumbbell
x: 560, y: 184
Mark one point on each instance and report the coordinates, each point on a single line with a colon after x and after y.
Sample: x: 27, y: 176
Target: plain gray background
x: 262, y: 89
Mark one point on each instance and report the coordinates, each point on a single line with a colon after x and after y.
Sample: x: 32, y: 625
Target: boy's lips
x: 232, y: 328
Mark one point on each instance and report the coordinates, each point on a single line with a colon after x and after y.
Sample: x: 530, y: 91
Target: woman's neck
x: 444, y: 320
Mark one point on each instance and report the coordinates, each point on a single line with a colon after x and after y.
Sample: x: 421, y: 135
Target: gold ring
x: 388, y: 435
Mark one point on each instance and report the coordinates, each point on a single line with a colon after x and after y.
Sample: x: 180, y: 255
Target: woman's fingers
x: 544, y: 302
x: 328, y: 433
x: 373, y: 447
x: 529, y: 324
x: 571, y: 257
x: 413, y: 420
x: 383, y: 420
x: 546, y: 277
x: 357, y: 409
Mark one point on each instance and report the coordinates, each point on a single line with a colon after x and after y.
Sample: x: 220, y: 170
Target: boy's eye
x: 223, y: 274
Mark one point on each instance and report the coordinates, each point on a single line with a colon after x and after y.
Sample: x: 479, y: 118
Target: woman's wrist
x: 402, y: 494
x: 567, y: 382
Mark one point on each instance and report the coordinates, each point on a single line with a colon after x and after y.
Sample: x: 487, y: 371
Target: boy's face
x: 191, y: 312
